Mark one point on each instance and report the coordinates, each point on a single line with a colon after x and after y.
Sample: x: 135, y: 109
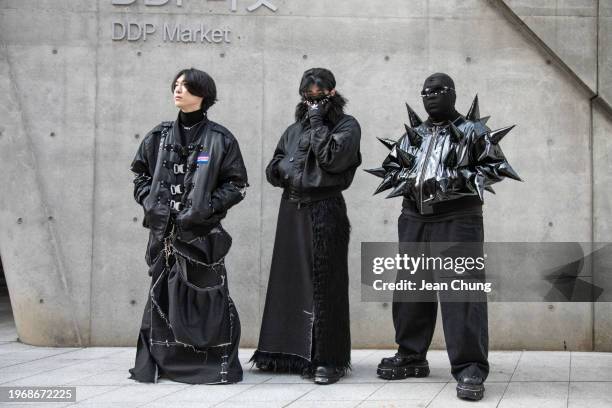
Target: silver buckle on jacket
x: 179, y: 168
x: 176, y: 189
x: 176, y: 205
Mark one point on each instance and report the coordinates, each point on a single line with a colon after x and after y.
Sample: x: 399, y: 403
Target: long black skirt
x: 306, y: 317
x: 190, y: 327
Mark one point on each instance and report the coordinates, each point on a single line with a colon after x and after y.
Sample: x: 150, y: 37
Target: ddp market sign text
x: 172, y: 32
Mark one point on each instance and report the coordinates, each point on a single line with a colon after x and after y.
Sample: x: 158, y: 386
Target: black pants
x: 465, y: 323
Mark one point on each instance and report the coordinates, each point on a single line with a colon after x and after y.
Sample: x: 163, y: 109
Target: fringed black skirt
x: 306, y: 317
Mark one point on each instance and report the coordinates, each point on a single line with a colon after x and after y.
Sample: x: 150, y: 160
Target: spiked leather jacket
x: 190, y: 186
x: 432, y: 164
x: 315, y: 160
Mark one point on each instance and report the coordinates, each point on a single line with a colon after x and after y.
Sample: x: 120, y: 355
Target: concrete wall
x: 76, y: 105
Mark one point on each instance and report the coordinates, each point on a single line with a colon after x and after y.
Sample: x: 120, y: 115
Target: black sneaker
x: 470, y: 388
x: 398, y: 368
x: 325, y: 375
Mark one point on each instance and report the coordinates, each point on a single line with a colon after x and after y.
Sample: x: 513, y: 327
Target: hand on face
x: 317, y: 97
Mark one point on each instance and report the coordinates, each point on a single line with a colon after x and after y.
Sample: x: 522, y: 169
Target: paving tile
x: 89, y: 404
x: 37, y: 404
x: 288, y: 379
x: 255, y: 376
x: 359, y: 355
x: 131, y: 395
x: 341, y: 392
x: 273, y: 392
x: 13, y: 373
x: 101, y: 377
x: 590, y: 395
x: 543, y: 366
x: 68, y: 374
x: 502, y: 365
x: 362, y: 373
x: 182, y: 404
x: 324, y: 404
x: 591, y: 367
x: 206, y: 393
x: 393, y: 391
x: 111, y: 377
x: 448, y: 397
x: 393, y: 404
x: 96, y: 352
x: 535, y: 394
x: 84, y: 392
x: 254, y: 404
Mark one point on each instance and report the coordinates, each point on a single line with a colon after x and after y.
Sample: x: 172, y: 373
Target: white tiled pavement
x: 517, y: 379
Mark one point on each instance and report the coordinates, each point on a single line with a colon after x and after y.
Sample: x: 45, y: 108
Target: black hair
x: 321, y: 77
x: 324, y: 79
x: 198, y: 83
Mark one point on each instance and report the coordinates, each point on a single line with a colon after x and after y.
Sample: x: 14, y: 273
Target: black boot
x: 470, y: 388
x: 398, y: 368
x: 328, y: 374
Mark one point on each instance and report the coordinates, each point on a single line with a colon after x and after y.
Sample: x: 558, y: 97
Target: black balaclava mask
x: 333, y: 106
x: 439, y: 98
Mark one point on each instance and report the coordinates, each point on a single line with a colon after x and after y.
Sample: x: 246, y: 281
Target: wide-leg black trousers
x: 465, y: 323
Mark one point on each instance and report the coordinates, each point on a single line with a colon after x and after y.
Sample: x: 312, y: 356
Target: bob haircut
x: 321, y: 77
x: 199, y: 83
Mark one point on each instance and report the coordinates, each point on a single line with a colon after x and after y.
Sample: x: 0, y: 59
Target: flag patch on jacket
x: 203, y: 159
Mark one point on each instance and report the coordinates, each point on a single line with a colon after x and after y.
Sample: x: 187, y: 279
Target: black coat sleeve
x: 337, y: 151
x: 143, y: 165
x: 272, y: 172
x: 233, y: 179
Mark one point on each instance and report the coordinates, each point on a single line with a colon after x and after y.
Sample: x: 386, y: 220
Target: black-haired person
x: 305, y: 327
x: 188, y: 174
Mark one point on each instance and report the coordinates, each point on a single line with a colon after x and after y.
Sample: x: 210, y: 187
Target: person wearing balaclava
x: 442, y: 167
x: 305, y: 327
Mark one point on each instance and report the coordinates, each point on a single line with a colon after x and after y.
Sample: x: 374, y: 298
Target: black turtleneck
x: 191, y: 118
x: 190, y: 123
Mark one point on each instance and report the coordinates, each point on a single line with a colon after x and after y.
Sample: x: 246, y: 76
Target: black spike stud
x: 490, y: 189
x: 399, y: 190
x: 506, y: 170
x: 415, y: 121
x: 379, y: 172
x: 499, y: 134
x: 387, y: 142
x: 413, y: 137
x: 485, y: 120
x: 405, y: 159
x: 390, y: 163
x: 479, y: 183
x: 474, y: 113
x: 455, y: 133
x: 386, y: 184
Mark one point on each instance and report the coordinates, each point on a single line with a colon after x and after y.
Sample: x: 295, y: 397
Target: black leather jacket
x: 313, y: 163
x: 445, y: 168
x: 213, y: 173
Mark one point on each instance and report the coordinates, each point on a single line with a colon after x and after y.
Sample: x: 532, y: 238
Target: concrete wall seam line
x: 531, y: 35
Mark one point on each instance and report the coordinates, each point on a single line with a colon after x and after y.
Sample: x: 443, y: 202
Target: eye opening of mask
x: 427, y: 92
